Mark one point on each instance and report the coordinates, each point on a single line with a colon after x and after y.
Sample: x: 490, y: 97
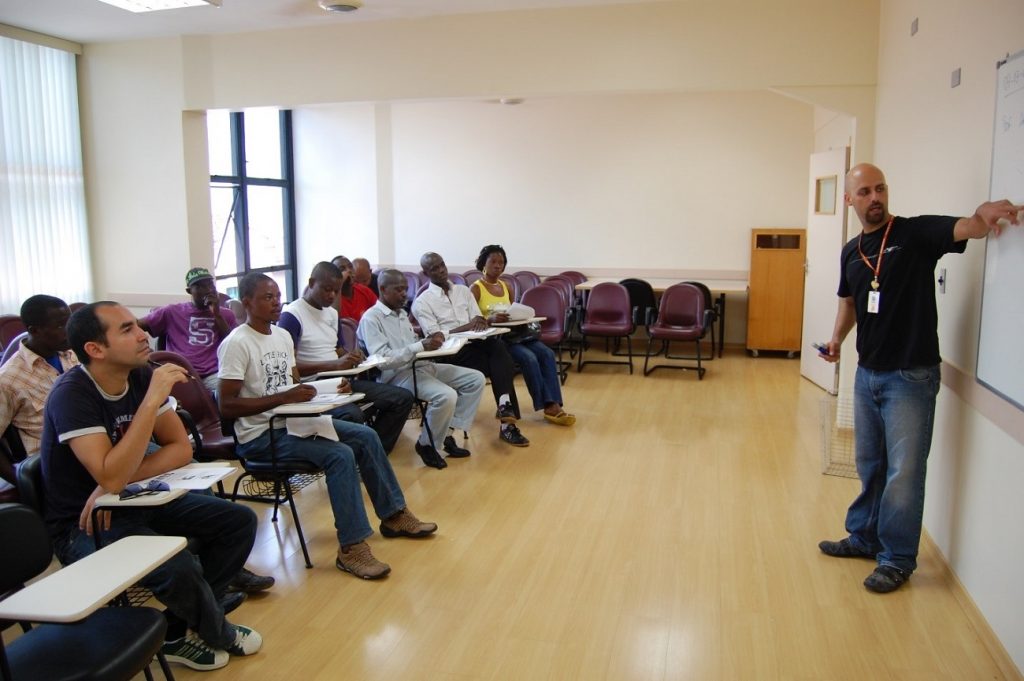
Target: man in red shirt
x: 353, y: 299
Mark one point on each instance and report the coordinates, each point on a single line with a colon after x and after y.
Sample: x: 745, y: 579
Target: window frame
x: 240, y: 181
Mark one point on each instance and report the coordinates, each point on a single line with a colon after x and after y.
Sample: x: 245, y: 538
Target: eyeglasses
x: 137, y: 489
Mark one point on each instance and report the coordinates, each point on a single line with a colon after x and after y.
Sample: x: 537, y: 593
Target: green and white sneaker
x: 194, y: 653
x: 247, y: 641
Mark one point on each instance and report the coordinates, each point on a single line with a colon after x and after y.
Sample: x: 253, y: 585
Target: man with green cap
x: 194, y: 329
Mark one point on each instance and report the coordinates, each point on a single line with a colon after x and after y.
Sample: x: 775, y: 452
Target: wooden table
x: 659, y: 284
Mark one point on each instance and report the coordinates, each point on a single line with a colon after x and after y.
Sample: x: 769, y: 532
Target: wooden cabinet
x: 776, y: 301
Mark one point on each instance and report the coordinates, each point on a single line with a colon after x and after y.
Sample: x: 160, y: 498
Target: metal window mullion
x: 288, y: 200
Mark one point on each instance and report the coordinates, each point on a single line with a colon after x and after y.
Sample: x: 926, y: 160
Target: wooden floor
x: 671, y: 534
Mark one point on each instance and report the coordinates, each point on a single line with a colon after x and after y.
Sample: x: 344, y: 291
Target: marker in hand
x: 822, y: 348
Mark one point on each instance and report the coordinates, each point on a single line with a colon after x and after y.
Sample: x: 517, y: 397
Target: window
x: 44, y: 240
x: 252, y: 197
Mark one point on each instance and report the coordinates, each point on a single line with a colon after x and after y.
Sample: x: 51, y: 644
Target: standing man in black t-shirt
x: 887, y: 288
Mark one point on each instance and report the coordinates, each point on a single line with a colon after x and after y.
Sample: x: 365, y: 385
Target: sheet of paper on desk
x: 325, y: 386
x: 453, y: 342
x: 372, y: 361
x: 305, y: 426
x: 474, y: 334
x: 193, y: 477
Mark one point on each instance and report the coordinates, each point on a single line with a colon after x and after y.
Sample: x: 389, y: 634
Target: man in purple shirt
x: 194, y: 330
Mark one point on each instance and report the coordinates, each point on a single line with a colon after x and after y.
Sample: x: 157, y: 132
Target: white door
x: 826, y: 231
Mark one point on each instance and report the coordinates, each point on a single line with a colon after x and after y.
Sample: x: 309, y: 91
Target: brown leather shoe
x: 405, y: 524
x: 359, y: 561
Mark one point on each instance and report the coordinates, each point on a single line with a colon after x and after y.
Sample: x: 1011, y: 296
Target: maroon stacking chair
x: 527, y: 280
x: 681, y: 317
x: 568, y: 287
x: 471, y: 276
x: 75, y: 307
x: 194, y: 398
x: 547, y: 301
x: 10, y: 326
x: 577, y: 277
x: 412, y: 283
x: 714, y: 307
x: 457, y: 278
x: 348, y: 329
x: 609, y: 314
x: 515, y: 292
x: 12, y: 347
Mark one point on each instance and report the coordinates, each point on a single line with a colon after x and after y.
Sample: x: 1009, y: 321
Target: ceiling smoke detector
x: 340, y: 5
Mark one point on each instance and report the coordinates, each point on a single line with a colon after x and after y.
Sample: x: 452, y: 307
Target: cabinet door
x: 775, y: 307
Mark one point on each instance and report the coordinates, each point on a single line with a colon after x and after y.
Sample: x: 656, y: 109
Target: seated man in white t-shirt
x: 257, y: 374
x: 313, y: 324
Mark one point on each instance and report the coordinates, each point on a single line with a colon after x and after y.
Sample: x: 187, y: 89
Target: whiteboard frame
x: 1010, y: 58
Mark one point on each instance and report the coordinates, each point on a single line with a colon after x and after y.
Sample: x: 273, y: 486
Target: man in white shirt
x: 257, y: 374
x: 313, y: 324
x: 452, y: 393
x: 449, y: 308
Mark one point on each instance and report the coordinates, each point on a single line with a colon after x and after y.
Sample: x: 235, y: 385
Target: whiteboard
x: 1000, y: 357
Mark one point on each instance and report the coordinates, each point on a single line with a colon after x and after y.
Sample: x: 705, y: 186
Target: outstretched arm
x: 987, y: 218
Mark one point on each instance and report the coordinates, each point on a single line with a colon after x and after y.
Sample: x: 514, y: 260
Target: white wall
x: 670, y: 181
x: 934, y: 143
x: 144, y: 161
x: 336, y: 183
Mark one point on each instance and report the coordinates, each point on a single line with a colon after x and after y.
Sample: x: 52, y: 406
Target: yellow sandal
x: 561, y: 418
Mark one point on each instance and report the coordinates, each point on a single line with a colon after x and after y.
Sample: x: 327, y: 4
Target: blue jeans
x: 359, y: 447
x: 540, y: 372
x: 893, y: 415
x: 187, y: 584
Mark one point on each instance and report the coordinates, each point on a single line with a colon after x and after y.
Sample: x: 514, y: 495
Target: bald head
x: 868, y: 195
x: 433, y: 266
x: 390, y: 278
x: 857, y: 173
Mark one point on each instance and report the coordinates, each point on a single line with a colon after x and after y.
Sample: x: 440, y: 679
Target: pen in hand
x: 157, y: 365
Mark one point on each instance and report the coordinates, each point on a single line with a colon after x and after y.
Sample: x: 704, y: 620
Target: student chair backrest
x: 30, y: 483
x: 348, y: 329
x: 22, y: 527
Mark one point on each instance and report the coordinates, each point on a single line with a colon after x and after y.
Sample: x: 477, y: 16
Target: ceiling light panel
x: 155, y: 5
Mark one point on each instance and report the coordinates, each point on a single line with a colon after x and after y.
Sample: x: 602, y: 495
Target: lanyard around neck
x: 881, y: 252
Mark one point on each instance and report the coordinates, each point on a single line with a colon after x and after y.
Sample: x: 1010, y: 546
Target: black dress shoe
x: 230, y: 601
x: 249, y: 582
x: 430, y: 456
x: 454, y: 451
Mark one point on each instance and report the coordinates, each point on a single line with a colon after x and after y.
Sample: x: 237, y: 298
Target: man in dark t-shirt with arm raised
x: 887, y: 288
x: 99, y: 420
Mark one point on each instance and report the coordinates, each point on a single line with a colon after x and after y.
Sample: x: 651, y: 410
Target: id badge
x: 874, y: 300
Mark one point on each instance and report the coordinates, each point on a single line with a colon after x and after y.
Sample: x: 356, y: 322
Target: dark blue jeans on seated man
x: 894, y: 412
x: 189, y: 585
x: 358, y: 454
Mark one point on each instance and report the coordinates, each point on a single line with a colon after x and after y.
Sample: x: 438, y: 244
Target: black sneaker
x: 511, y: 435
x: 430, y: 456
x: 885, y: 578
x: 250, y: 582
x: 455, y: 451
x: 843, y: 548
x: 506, y: 414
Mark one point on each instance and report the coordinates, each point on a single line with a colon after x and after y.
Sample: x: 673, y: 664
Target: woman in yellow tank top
x: 535, y: 360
